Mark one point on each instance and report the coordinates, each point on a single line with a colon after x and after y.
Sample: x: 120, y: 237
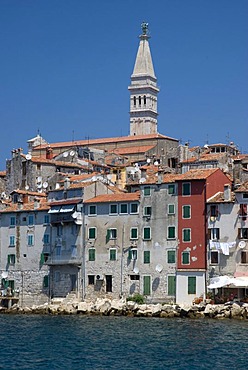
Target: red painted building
x: 194, y: 188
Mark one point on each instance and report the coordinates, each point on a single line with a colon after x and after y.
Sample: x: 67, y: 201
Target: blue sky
x: 65, y: 68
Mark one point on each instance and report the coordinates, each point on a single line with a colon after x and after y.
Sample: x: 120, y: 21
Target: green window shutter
x: 172, y: 285
x: 186, y: 235
x: 146, y: 256
x: 130, y: 255
x: 147, y: 285
x: 123, y: 208
x: 112, y: 254
x: 42, y: 259
x: 147, y: 190
x: 92, y: 254
x: 134, y: 233
x: 45, y: 281
x: 108, y: 236
x: 92, y: 233
x: 171, y: 232
x: 147, y: 233
x: 171, y: 256
x: 191, y: 285
x: 186, y: 188
x: 186, y: 211
x: 171, y: 209
x: 185, y: 258
x: 171, y: 189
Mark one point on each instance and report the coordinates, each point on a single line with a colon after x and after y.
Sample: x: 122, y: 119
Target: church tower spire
x: 143, y: 90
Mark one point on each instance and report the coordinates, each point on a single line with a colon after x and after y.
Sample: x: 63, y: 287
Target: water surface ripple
x: 94, y: 342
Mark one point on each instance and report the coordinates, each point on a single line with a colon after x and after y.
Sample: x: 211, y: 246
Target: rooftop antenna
x: 73, y: 136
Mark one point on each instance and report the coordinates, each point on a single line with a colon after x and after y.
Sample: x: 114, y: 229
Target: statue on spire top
x: 144, y: 27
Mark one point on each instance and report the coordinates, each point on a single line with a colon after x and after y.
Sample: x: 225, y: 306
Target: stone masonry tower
x: 143, y: 90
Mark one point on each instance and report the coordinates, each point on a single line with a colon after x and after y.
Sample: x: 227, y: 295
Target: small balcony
x: 64, y: 258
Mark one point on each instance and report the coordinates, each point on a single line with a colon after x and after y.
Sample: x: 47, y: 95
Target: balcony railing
x: 64, y: 258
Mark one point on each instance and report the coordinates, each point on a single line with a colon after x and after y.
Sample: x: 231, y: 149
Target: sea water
x: 94, y: 342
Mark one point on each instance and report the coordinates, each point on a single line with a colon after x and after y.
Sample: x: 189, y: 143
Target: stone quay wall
x: 107, y: 307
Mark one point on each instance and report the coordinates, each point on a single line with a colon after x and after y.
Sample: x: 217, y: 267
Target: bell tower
x: 143, y: 90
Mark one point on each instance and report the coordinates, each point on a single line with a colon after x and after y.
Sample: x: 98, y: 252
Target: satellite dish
x: 39, y: 186
x: 28, y: 157
x: 156, y: 163
x: 4, y: 274
x: 159, y: 268
x: 57, y: 186
x: 206, y: 146
x: 72, y: 153
x: 242, y: 244
x: 148, y: 160
x: 65, y: 154
x: 45, y: 185
x: 143, y: 179
x: 136, y: 270
x: 39, y: 179
x: 26, y: 187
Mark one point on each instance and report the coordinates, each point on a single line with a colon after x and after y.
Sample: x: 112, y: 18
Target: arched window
x: 139, y: 100
x: 144, y: 100
x: 134, y: 101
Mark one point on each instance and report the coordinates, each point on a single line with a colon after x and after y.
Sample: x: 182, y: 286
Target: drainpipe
x: 122, y: 255
x: 83, y: 257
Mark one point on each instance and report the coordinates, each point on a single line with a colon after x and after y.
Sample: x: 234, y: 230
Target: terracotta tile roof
x: 2, y: 173
x: 104, y: 141
x: 31, y: 193
x: 240, y: 156
x: 44, y: 160
x: 66, y: 201
x: 243, y: 188
x: 55, y: 163
x: 219, y: 198
x: 206, y: 157
x: 109, y: 198
x: 83, y: 176
x: 169, y: 178
x: 79, y: 185
x: 14, y: 207
x: 197, y: 174
x: 132, y: 150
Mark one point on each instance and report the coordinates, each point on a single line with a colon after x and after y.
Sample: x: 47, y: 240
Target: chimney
x: 36, y: 203
x: 227, y: 193
x: 49, y: 153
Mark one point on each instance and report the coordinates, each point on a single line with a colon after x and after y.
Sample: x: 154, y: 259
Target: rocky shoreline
x: 107, y: 307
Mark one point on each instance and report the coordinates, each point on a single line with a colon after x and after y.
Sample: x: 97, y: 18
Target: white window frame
x: 92, y: 227
x: 168, y: 209
x: 111, y: 237
x: 186, y: 195
x: 186, y: 241
x: 134, y: 228
x: 186, y: 205
x: 218, y: 258
x: 170, y: 226
x: 145, y: 211
x: 12, y: 238
x: 123, y: 204
x: 113, y: 213
x: 113, y: 249
x: 134, y: 213
x: 92, y: 214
